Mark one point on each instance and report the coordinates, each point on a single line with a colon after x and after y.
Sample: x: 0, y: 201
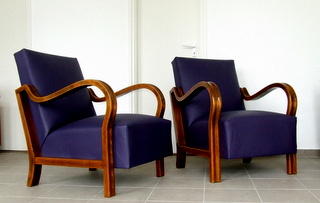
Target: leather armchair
x: 211, y: 120
x: 61, y: 126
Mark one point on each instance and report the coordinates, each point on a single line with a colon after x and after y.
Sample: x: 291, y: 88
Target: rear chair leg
x: 160, y: 167
x: 291, y: 164
x: 246, y: 160
x: 181, y: 159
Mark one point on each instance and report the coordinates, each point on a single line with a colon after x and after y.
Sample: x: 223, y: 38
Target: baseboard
x: 308, y: 152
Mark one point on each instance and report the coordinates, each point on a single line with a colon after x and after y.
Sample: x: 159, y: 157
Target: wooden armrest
x: 178, y: 97
x: 290, y: 93
x: 154, y: 89
x: 36, y: 97
x: 32, y: 93
x: 210, y: 87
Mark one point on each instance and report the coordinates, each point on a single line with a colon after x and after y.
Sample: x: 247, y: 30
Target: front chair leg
x: 109, y: 182
x: 215, y: 168
x: 34, y: 174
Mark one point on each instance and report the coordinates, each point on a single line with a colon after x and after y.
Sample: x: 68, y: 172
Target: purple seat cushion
x: 248, y: 134
x: 137, y: 139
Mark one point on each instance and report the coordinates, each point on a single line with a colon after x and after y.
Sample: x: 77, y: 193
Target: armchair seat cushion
x: 248, y: 134
x: 137, y: 139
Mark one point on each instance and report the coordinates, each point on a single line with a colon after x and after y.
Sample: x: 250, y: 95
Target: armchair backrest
x: 189, y: 71
x: 49, y: 73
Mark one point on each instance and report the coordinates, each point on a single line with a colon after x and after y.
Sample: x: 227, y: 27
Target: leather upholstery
x: 49, y: 73
x: 243, y: 133
x: 69, y: 128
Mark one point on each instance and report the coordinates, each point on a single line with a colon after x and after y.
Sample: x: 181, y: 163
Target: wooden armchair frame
x: 178, y: 98
x: 36, y: 160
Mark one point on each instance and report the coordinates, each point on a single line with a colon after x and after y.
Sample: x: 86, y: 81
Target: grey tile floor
x: 263, y: 180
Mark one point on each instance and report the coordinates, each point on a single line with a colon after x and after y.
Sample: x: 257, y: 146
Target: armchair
x: 61, y: 127
x: 211, y: 120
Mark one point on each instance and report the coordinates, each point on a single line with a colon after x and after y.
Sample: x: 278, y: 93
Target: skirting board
x: 308, y: 152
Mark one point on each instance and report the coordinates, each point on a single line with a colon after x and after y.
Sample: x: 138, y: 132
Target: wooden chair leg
x: 291, y: 164
x: 34, y: 174
x: 109, y: 182
x: 160, y: 167
x: 181, y: 159
x: 215, y: 168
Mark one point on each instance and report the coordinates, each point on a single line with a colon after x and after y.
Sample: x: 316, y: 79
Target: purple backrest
x: 189, y: 71
x: 49, y: 73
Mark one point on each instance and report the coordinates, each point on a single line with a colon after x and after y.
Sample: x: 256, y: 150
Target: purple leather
x: 137, y: 139
x: 69, y: 128
x: 49, y: 73
x: 246, y: 134
x: 189, y: 71
x: 243, y: 133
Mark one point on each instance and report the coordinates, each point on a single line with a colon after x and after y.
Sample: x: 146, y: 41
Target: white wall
x: 97, y: 32
x: 163, y: 28
x: 14, y: 34
x: 272, y: 41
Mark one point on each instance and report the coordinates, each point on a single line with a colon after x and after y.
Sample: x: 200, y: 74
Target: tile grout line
x: 306, y: 188
x: 153, y: 189
x: 204, y: 184
x: 254, y: 186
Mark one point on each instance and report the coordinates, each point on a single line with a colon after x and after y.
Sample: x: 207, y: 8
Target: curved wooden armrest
x: 32, y: 93
x: 36, y: 97
x: 154, y: 89
x: 178, y: 97
x: 290, y: 93
x: 211, y: 88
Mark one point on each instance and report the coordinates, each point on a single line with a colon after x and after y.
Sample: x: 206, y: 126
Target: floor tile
x: 311, y: 183
x: 269, y: 174
x: 57, y: 200
x: 5, y: 178
x: 316, y: 193
x: 21, y: 190
x: 231, y: 195
x: 168, y: 182
x: 230, y: 174
x: 264, y: 180
x: 231, y: 183
x: 298, y: 196
x: 277, y: 184
x: 185, y: 172
x: 73, y: 192
x: 16, y: 199
x: 127, y: 194
x: 308, y: 174
x: 175, y: 194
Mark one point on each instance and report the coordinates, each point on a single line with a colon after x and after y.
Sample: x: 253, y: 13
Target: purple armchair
x: 211, y: 120
x: 62, y: 128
